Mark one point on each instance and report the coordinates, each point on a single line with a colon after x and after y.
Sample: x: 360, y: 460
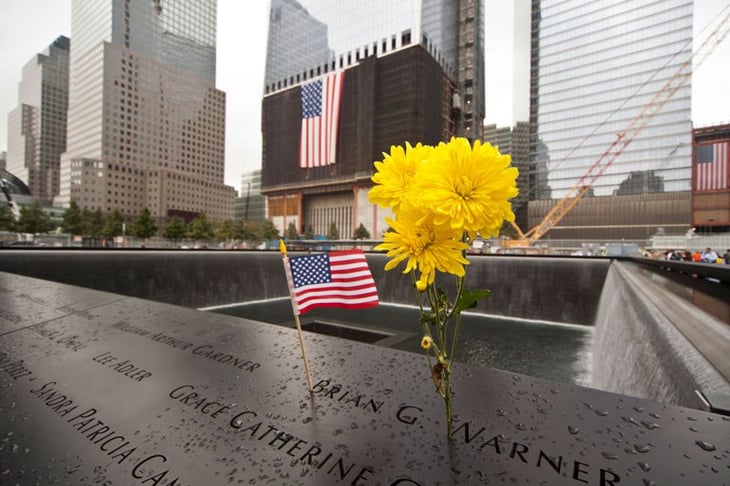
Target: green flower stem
x: 459, y: 291
x: 418, y: 294
x: 446, y: 377
x: 441, y: 343
x: 440, y: 326
x: 455, y: 338
x: 455, y: 312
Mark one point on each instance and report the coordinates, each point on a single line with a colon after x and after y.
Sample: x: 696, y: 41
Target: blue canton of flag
x: 705, y: 153
x: 312, y: 99
x: 310, y: 270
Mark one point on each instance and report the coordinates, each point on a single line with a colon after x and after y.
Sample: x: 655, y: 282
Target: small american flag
x: 711, y: 166
x: 320, y: 120
x: 335, y: 279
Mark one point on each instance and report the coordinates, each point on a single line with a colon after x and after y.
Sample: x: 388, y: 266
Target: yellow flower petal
x: 395, y: 173
x: 468, y: 188
x: 423, y: 245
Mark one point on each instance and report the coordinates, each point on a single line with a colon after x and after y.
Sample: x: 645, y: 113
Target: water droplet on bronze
x: 705, y: 445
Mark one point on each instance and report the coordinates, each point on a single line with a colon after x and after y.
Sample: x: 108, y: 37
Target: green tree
x: 113, y: 225
x: 333, y: 233
x: 92, y: 222
x: 361, y: 233
x: 33, y: 220
x: 291, y: 232
x: 144, y: 226
x: 225, y: 230
x: 200, y: 228
x: 248, y: 231
x: 308, y: 232
x: 239, y: 229
x: 269, y: 231
x: 174, y: 229
x: 72, y: 222
x: 7, y: 218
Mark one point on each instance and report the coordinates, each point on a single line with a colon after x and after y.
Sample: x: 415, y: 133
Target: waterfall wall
x: 541, y: 288
x: 639, y: 349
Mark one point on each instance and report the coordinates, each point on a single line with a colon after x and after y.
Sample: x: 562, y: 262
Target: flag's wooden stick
x: 304, y: 353
x: 295, y: 309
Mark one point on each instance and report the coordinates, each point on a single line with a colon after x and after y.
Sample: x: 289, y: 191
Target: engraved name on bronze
x: 59, y: 336
x: 146, y: 468
x: 123, y: 366
x: 206, y: 351
x: 14, y: 368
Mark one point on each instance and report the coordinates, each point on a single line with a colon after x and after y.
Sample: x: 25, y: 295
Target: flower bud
x: 426, y: 342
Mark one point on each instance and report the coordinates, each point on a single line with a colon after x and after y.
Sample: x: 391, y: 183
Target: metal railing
x: 717, y: 271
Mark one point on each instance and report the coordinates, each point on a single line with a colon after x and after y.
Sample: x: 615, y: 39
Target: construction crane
x: 622, y: 140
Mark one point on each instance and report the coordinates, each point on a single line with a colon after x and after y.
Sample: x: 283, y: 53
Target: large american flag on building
x: 334, y: 279
x: 320, y: 120
x: 711, y: 166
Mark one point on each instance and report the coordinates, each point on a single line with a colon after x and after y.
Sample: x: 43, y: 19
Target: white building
x: 146, y: 124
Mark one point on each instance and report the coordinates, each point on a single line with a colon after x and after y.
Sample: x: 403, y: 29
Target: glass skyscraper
x: 251, y: 205
x: 146, y: 125
x: 595, y: 67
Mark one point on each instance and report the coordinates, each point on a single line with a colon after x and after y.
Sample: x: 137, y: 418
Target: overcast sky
x: 29, y: 26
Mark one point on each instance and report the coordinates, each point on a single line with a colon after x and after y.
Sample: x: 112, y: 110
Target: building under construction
x: 373, y: 74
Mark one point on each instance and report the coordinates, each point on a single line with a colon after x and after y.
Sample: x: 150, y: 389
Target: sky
x: 27, y: 27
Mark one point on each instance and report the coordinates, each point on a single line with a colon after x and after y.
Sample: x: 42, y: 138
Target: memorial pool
x: 560, y: 352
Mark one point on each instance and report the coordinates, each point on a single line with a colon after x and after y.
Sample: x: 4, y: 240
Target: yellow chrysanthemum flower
x: 426, y: 246
x: 395, y: 173
x: 469, y: 188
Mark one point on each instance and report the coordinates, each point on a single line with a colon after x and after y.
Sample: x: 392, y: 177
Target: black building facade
x: 404, y: 96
